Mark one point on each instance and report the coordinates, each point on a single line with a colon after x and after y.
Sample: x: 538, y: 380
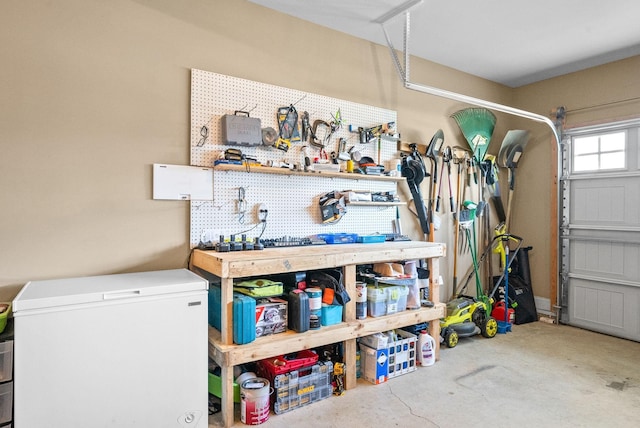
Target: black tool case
x: 239, y: 129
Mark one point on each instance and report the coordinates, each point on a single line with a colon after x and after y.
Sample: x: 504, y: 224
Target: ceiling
x: 513, y: 42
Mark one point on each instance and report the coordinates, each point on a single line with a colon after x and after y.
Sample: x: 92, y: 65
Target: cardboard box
x: 375, y: 341
x: 374, y: 364
x: 271, y: 316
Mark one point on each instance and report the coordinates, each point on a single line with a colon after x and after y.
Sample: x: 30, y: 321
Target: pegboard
x: 292, y: 200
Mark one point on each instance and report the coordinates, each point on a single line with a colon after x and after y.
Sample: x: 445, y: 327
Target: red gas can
x: 498, y: 312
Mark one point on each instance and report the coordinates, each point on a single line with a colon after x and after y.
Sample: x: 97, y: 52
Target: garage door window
x: 599, y: 152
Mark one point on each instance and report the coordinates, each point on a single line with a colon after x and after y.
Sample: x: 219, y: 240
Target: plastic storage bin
x: 396, y: 298
x: 371, y: 239
x: 271, y: 367
x: 244, y: 315
x: 215, y: 387
x: 6, y: 361
x: 338, y: 238
x: 331, y: 314
x: 301, y: 387
x: 6, y: 402
x: 376, y: 301
x: 402, y: 354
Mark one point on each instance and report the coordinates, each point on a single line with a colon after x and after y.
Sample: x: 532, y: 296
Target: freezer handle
x: 121, y: 294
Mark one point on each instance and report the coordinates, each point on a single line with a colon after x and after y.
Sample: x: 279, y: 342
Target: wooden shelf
x: 228, y: 266
x: 290, y: 341
x: 286, y: 171
x: 376, y: 204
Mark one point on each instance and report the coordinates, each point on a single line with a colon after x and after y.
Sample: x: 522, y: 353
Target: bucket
x: 254, y: 401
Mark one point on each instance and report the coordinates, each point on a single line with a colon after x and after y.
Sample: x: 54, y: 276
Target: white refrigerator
x: 125, y: 350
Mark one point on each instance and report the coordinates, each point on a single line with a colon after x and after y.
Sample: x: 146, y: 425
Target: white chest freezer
x: 112, y: 351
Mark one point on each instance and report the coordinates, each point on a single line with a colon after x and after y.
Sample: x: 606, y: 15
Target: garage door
x: 600, y: 287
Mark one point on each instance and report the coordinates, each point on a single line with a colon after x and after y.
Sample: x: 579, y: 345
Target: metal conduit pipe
x: 404, y: 77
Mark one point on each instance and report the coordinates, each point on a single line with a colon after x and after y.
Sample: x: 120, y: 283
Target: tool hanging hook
x: 242, y: 205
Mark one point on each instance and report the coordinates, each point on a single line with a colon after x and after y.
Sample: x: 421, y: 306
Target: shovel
x: 509, y: 155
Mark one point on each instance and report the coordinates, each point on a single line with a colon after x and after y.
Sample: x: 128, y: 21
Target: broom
x: 477, y: 126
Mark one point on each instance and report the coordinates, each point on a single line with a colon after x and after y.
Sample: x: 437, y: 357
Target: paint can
x: 315, y: 298
x: 254, y: 401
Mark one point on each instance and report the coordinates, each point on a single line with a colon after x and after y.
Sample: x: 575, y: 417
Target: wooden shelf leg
x: 350, y: 348
x: 434, y: 295
x: 226, y: 402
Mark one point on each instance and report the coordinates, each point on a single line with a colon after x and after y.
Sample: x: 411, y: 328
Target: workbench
x: 232, y: 265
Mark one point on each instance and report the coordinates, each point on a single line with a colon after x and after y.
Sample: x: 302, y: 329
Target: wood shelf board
x: 312, y: 257
x: 319, y: 174
x: 290, y: 341
x: 376, y: 204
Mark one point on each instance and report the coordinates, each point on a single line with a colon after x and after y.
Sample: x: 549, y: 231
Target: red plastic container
x: 498, y: 312
x: 270, y: 367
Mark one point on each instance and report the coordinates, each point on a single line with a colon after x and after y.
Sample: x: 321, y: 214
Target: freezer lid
x: 96, y: 289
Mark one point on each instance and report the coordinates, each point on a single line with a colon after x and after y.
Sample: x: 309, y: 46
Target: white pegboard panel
x: 292, y: 200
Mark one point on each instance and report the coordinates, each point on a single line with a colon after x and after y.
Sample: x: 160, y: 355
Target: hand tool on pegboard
x: 287, y: 127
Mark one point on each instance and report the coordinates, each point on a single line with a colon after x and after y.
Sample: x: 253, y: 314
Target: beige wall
x: 591, y: 96
x: 94, y: 93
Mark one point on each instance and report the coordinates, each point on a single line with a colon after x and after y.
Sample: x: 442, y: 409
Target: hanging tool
x: 493, y: 184
x: 444, y: 156
x: 343, y: 154
x: 320, y: 133
x: 307, y: 159
x: 477, y: 126
x: 414, y: 171
x: 433, y: 150
x: 287, y: 127
x: 509, y: 155
x: 336, y: 123
x: 448, y: 158
x: 305, y: 125
x: 369, y: 135
x: 242, y: 205
x: 459, y: 158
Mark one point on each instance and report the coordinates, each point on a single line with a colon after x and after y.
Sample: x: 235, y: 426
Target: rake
x: 477, y: 126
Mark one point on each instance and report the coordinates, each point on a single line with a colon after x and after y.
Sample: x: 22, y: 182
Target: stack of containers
x: 388, y: 355
x: 386, y: 299
x: 298, y: 379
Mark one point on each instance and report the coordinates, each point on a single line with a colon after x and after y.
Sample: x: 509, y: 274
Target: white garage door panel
x: 612, y: 201
x: 609, y: 261
x: 600, y: 241
x: 607, y: 308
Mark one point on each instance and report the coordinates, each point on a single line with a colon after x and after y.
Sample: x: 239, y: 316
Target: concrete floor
x: 538, y: 375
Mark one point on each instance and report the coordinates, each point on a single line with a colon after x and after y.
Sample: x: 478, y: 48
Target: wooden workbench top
x: 293, y: 259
